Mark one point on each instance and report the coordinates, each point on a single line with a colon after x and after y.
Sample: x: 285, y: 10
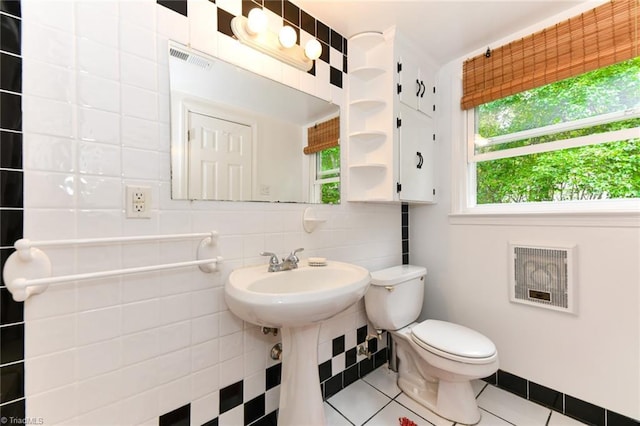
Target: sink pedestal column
x: 300, y: 396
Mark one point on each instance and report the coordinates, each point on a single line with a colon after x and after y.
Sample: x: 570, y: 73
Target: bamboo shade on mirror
x: 323, y: 136
x: 603, y: 36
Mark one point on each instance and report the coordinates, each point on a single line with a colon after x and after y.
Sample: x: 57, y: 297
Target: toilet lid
x: 453, y: 339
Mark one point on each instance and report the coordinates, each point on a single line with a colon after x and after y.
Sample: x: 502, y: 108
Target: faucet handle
x: 274, y: 257
x: 293, y: 254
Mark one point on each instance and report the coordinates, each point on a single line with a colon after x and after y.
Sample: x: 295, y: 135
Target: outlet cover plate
x: 138, y: 202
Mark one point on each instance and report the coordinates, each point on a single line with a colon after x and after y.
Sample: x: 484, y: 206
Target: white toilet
x: 436, y: 359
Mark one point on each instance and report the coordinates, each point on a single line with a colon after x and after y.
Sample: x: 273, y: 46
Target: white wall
x: 594, y: 355
x: 96, y: 117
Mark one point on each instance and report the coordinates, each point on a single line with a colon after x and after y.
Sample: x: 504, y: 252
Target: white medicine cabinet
x: 391, y: 116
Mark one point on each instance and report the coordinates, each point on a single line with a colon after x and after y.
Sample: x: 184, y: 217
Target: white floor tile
x: 489, y: 419
x: 422, y: 411
x: 391, y: 415
x: 558, y: 419
x: 384, y: 380
x: 358, y: 402
x: 333, y: 417
x: 508, y: 406
x: 478, y: 386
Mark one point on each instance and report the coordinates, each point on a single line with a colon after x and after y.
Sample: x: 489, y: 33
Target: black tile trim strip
x: 12, y: 370
x: 557, y: 401
x: 404, y: 213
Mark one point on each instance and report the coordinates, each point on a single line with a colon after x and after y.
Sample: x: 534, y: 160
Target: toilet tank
x: 394, y: 298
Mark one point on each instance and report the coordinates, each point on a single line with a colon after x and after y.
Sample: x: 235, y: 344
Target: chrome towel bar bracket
x: 28, y: 270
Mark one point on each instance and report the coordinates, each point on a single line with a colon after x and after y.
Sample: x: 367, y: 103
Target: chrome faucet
x: 288, y: 263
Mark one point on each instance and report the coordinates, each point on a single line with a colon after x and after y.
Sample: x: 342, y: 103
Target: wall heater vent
x: 543, y: 276
x: 190, y: 57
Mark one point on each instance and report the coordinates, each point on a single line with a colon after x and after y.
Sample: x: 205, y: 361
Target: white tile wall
x: 96, y: 117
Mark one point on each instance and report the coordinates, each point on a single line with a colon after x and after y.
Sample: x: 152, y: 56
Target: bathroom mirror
x: 239, y: 136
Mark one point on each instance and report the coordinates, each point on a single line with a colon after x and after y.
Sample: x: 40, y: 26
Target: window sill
x: 617, y: 214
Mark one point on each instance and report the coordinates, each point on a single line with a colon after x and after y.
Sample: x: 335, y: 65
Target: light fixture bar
x: 267, y: 42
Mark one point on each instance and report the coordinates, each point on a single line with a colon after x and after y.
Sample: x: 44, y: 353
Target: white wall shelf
x: 368, y: 135
x: 368, y: 105
x: 367, y: 166
x: 391, y: 138
x: 367, y: 41
x: 367, y: 73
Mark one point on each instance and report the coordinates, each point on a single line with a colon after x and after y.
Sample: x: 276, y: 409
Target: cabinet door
x: 416, y: 145
x: 409, y: 82
x: 426, y: 97
x: 414, y: 88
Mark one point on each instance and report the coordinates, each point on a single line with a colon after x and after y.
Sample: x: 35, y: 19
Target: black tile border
x: 12, y: 371
x: 557, y: 401
x: 404, y: 228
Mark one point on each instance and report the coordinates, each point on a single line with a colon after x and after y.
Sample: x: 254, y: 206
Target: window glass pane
x: 604, y: 171
x: 611, y: 89
x: 568, y: 134
x: 330, y: 193
x: 329, y: 161
x: 328, y: 175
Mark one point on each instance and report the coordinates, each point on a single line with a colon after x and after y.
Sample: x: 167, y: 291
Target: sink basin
x: 301, y: 296
x: 296, y: 301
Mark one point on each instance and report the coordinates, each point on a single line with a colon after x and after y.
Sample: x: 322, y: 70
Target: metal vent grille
x: 190, y: 58
x: 542, y: 276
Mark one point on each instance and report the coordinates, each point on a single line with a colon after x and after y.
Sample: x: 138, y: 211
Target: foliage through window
x: 327, y: 179
x: 576, y: 139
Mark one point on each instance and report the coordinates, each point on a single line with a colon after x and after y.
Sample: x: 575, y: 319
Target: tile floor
x: 376, y: 400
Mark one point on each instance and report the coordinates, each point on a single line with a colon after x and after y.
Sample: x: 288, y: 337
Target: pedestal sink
x: 296, y: 301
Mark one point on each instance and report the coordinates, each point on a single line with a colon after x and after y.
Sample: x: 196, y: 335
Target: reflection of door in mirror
x: 219, y: 158
x: 278, y: 116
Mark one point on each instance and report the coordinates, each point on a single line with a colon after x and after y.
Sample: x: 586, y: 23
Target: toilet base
x: 441, y: 385
x: 453, y: 401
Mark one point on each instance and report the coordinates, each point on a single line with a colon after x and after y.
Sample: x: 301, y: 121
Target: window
x: 576, y: 139
x: 555, y: 116
x: 323, y: 144
x: 326, y: 184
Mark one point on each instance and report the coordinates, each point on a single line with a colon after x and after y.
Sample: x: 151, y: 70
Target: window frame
x: 317, y: 181
x: 608, y: 212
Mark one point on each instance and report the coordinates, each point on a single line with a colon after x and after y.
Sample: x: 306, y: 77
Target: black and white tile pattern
x: 344, y: 368
x: 12, y: 403
x: 334, y: 45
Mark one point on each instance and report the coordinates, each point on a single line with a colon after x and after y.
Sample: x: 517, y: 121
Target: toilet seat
x: 454, y: 342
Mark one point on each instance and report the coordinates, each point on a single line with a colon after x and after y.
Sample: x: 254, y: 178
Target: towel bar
x: 27, y: 271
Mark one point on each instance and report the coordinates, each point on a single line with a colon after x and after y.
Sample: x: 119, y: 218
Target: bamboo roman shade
x: 603, y: 36
x: 323, y: 136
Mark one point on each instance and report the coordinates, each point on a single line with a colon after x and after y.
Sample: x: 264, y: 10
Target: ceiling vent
x: 190, y: 57
x: 543, y: 276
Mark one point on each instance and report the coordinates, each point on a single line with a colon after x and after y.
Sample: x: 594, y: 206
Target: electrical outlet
x: 138, y: 202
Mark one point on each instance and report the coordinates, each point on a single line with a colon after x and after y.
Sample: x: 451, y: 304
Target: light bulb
x: 287, y: 36
x: 313, y: 49
x: 256, y: 21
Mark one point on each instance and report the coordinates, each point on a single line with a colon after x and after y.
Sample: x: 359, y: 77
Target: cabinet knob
x: 420, y: 159
x: 419, y: 87
x: 424, y: 88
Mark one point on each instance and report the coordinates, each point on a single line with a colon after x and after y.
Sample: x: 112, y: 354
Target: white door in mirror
x: 219, y: 159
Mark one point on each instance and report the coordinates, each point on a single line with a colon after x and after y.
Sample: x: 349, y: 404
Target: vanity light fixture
x: 283, y: 46
x: 287, y: 37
